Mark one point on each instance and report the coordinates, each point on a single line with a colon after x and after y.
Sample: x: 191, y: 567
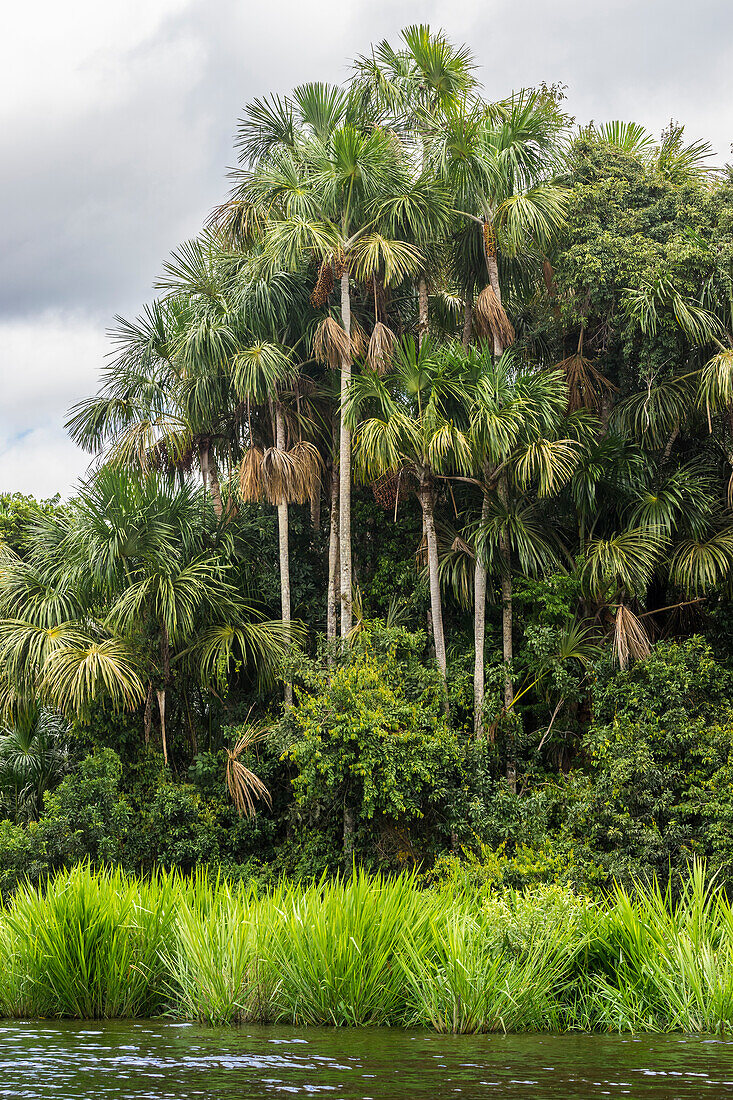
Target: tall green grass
x: 664, y: 966
x: 90, y: 945
x: 368, y: 951
x: 217, y: 973
x: 335, y: 949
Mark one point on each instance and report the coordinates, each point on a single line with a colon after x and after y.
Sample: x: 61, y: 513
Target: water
x: 152, y: 1060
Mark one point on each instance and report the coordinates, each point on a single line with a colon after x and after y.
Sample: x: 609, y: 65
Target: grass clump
x: 90, y: 945
x: 215, y: 961
x: 336, y: 946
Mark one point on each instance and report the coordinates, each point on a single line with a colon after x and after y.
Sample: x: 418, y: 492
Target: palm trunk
x: 422, y: 298
x: 333, y: 557
x: 315, y: 507
x: 345, y: 468
x: 479, y: 632
x: 427, y: 503
x: 428, y: 613
x: 210, y: 476
x: 506, y: 636
x: 148, y: 713
x: 494, y: 280
x: 216, y: 489
x: 283, y: 543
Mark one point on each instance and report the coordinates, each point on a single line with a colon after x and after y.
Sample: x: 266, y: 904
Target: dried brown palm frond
x: 290, y: 476
x: 251, y: 485
x: 381, y: 349
x: 243, y: 785
x: 491, y: 320
x: 630, y: 639
x: 359, y: 339
x: 586, y: 385
x: 310, y: 465
x: 324, y: 285
x: 331, y: 344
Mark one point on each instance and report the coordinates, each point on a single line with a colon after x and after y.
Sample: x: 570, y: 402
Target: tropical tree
x: 413, y: 85
x: 499, y: 163
x: 123, y: 590
x: 201, y: 375
x: 405, y: 426
x: 322, y: 181
x: 519, y: 450
x: 33, y: 758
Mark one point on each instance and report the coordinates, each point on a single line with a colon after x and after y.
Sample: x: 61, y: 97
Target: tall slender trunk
x: 345, y: 468
x: 315, y: 507
x: 506, y: 636
x: 160, y: 692
x: 429, y: 613
x: 427, y: 502
x: 215, y: 487
x: 148, y: 713
x: 467, y: 322
x: 422, y: 299
x: 479, y: 632
x: 283, y: 541
x: 165, y: 658
x: 210, y: 476
x: 333, y: 546
x: 506, y: 577
x: 494, y: 280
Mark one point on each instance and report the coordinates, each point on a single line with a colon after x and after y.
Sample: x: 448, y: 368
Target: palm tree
x: 405, y: 425
x: 514, y: 420
x: 33, y: 754
x: 121, y: 591
x: 413, y: 86
x: 323, y: 182
x: 498, y: 162
x: 187, y: 376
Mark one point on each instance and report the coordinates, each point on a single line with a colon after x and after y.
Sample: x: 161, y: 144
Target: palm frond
x: 242, y: 783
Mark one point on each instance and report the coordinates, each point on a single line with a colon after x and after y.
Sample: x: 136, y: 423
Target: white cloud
x: 43, y: 462
x: 116, y: 124
x: 47, y: 362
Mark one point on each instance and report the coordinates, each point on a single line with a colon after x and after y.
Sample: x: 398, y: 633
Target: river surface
x: 165, y: 1061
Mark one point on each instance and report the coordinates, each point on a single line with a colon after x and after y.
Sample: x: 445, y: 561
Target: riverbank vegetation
x: 369, y: 951
x: 407, y: 538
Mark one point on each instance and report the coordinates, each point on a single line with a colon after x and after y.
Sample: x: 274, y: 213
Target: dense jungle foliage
x: 409, y: 535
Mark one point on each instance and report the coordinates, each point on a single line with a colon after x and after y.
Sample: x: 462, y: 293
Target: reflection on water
x: 151, y: 1060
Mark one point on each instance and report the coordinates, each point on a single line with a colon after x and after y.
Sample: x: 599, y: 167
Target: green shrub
x: 87, y: 816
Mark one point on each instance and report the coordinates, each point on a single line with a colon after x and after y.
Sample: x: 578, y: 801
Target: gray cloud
x: 116, y: 125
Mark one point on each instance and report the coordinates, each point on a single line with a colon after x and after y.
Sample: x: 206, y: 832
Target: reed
x: 217, y: 973
x: 665, y: 966
x: 335, y: 948
x: 369, y: 951
x: 90, y: 945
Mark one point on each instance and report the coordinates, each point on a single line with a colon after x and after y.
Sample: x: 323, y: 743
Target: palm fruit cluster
x: 390, y: 488
x: 489, y: 240
x: 324, y: 285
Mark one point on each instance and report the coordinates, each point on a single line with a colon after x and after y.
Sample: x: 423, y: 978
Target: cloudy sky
x: 116, y: 123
